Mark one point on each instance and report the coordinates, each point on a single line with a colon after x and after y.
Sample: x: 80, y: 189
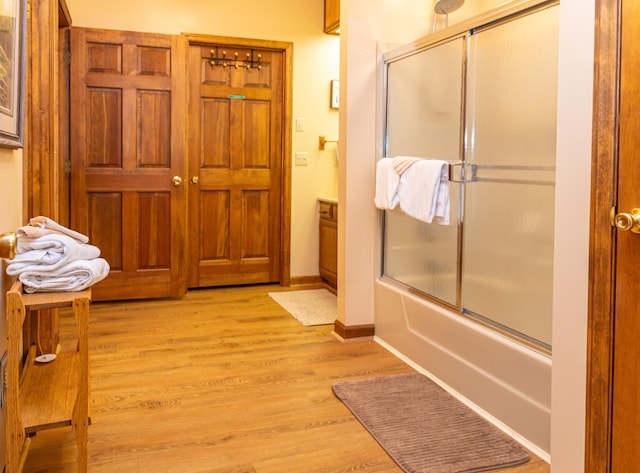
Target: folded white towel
x: 387, y: 182
x: 424, y: 191
x: 51, y: 226
x: 49, y: 252
x: 74, y: 276
x: 402, y: 163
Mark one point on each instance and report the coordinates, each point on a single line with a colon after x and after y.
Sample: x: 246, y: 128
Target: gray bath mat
x: 425, y: 429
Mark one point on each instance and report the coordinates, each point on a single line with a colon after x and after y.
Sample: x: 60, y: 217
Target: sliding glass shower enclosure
x: 485, y: 101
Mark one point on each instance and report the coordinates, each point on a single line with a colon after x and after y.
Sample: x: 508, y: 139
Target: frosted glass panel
x: 511, y: 138
x: 424, y: 106
x: 424, y: 102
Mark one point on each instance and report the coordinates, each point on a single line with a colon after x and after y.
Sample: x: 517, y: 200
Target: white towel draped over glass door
x: 485, y: 99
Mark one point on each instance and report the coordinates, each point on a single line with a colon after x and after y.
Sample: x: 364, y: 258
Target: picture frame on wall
x: 12, y: 72
x: 335, y: 94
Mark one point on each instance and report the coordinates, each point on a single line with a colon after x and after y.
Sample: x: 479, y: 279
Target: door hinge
x: 67, y: 166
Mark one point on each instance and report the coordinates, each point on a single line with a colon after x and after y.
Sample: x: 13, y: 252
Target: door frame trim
x: 285, y: 203
x: 602, y: 241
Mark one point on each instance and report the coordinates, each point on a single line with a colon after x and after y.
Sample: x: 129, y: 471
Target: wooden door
x: 236, y: 164
x: 127, y: 125
x: 626, y: 352
x: 613, y: 377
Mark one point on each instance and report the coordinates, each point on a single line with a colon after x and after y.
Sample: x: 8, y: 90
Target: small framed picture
x: 335, y: 94
x: 12, y: 72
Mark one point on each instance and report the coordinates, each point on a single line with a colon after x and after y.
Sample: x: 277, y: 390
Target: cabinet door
x: 332, y: 16
x: 329, y: 251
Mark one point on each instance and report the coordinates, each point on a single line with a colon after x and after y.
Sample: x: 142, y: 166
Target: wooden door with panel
x: 127, y: 153
x: 626, y: 350
x: 613, y: 377
x: 236, y: 163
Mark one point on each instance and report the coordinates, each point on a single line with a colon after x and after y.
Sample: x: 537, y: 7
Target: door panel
x: 127, y: 119
x: 236, y: 154
x: 626, y: 351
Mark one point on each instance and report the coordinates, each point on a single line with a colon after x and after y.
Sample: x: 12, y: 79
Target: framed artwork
x: 12, y: 72
x: 335, y: 94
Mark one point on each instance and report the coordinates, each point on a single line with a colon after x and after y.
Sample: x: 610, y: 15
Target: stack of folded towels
x: 53, y: 258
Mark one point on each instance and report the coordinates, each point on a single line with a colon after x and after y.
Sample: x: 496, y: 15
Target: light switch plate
x: 301, y: 158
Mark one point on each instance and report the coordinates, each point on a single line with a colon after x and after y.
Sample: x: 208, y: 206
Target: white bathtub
x: 507, y: 382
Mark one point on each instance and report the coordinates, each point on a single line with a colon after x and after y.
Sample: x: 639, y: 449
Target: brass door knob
x: 8, y: 245
x: 627, y: 221
x: 177, y: 180
x: 194, y: 180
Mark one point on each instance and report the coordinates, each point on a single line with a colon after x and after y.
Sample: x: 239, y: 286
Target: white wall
x: 366, y: 26
x: 571, y: 263
x: 315, y: 61
x: 11, y: 189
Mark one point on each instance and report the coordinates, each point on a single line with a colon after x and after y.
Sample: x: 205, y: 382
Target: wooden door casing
x: 237, y: 162
x: 127, y: 116
x: 46, y: 108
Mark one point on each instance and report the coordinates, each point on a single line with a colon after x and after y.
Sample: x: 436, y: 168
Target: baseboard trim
x: 312, y: 282
x: 353, y: 331
x: 307, y: 281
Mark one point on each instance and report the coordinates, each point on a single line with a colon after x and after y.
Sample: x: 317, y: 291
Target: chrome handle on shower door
x: 626, y: 221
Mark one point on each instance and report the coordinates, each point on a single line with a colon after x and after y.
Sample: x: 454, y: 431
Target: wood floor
x: 221, y: 381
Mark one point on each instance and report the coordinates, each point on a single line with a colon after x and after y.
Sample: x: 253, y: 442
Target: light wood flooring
x: 221, y: 381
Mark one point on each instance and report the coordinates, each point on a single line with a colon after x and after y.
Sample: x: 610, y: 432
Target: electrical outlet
x: 301, y: 158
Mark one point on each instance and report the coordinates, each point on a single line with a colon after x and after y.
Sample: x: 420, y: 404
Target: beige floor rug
x: 309, y: 307
x: 425, y: 429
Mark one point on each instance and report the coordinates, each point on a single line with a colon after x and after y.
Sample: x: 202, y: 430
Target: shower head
x: 444, y: 7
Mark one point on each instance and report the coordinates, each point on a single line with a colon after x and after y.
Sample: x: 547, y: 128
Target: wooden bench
x: 48, y: 395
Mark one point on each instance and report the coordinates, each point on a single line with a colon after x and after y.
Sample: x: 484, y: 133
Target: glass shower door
x: 509, y: 203
x: 424, y: 119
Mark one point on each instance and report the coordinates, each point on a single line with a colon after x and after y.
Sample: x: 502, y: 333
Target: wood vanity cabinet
x: 328, y: 263
x: 331, y: 16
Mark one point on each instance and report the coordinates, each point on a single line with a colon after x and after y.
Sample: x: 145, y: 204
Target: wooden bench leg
x: 80, y: 431
x: 81, y: 408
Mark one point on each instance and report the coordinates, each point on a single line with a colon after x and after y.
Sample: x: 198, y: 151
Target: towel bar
x: 322, y: 141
